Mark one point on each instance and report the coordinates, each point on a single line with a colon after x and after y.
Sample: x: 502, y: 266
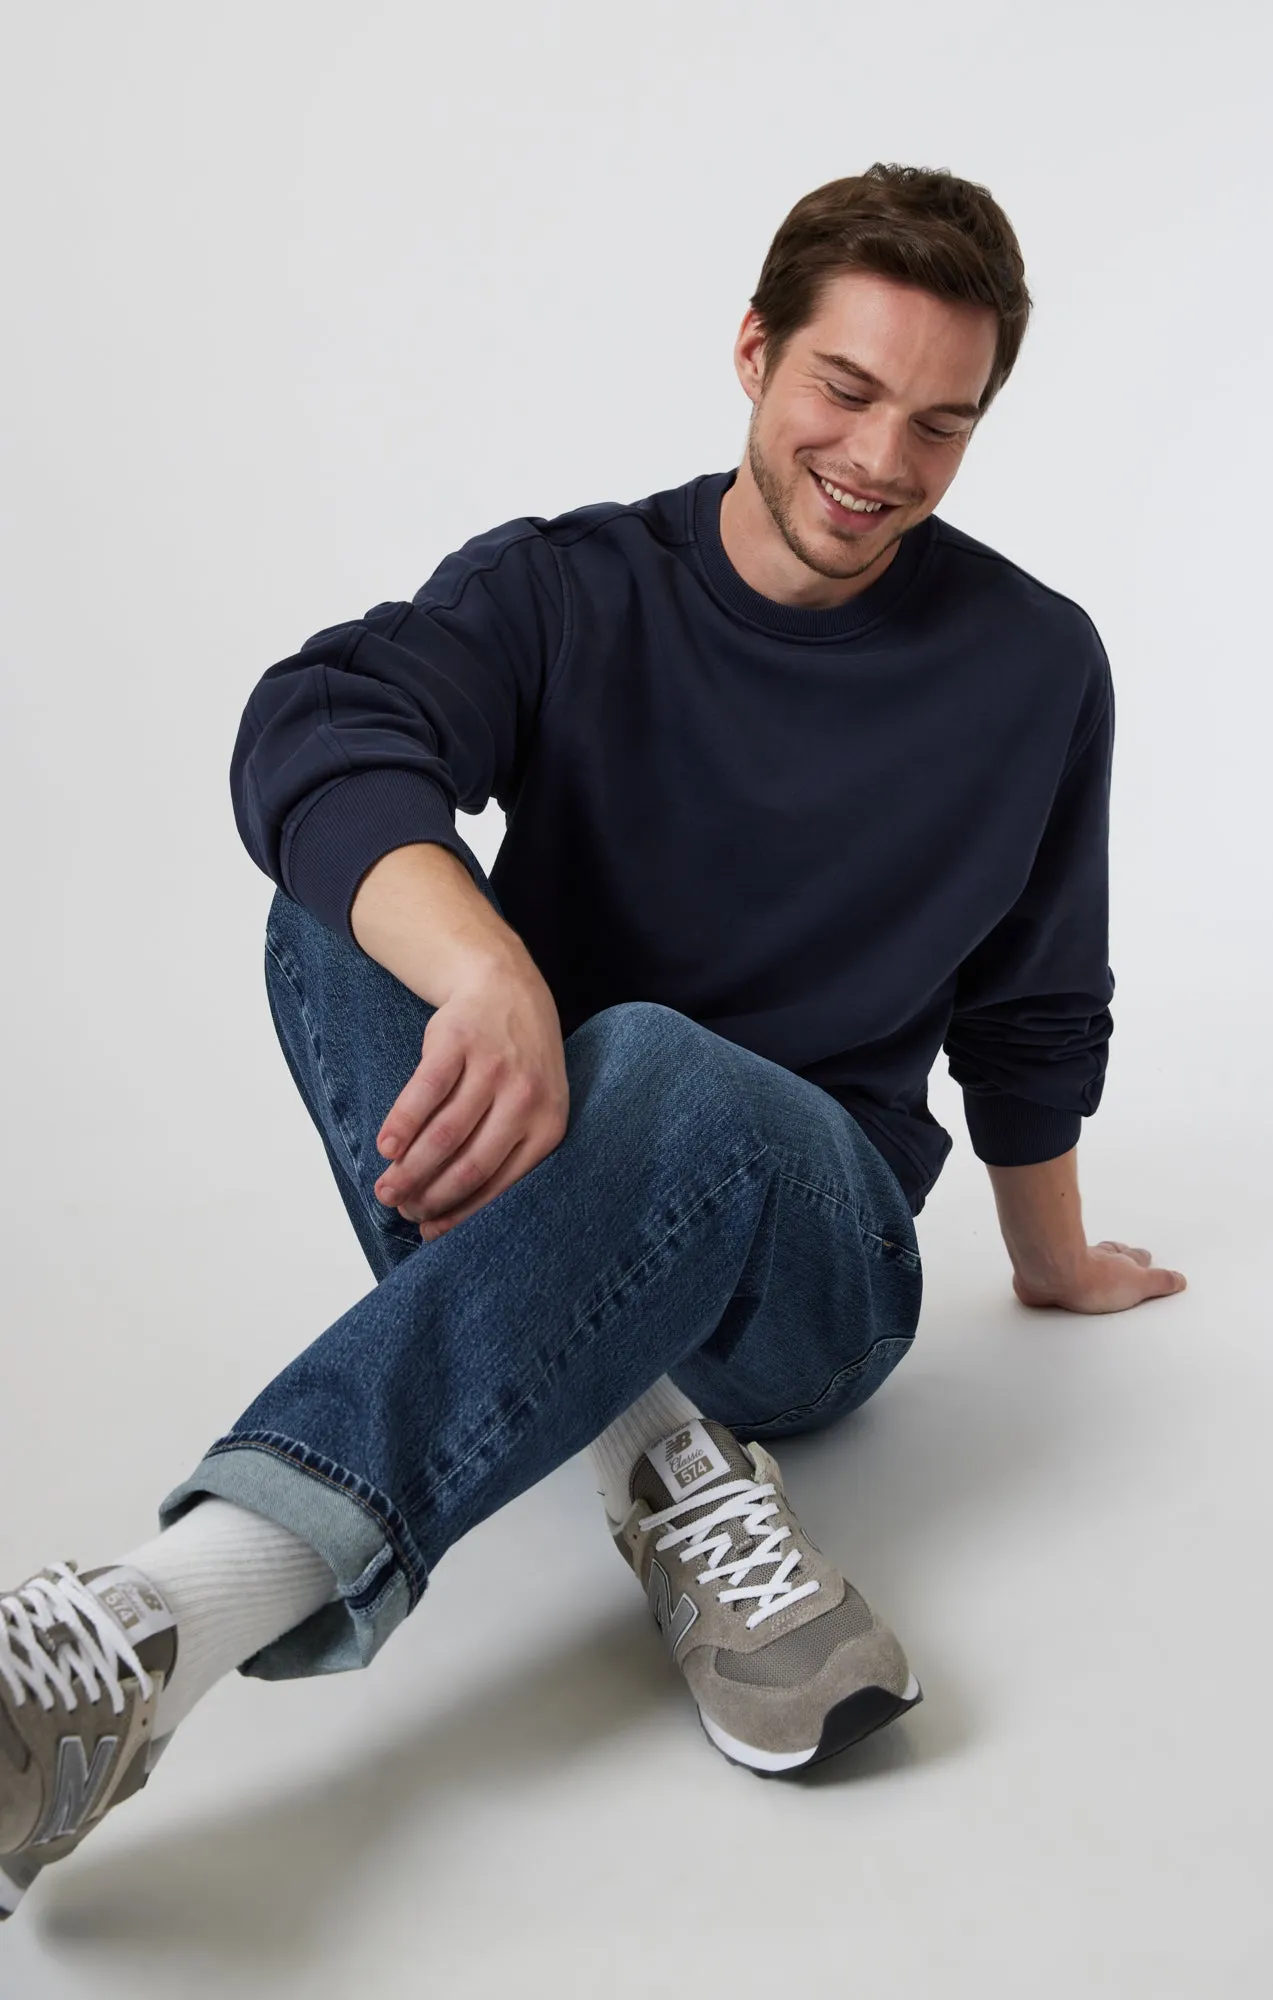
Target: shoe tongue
x: 691, y: 1463
x: 144, y: 1612
x: 697, y: 1456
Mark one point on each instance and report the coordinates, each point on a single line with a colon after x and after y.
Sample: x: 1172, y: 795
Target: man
x: 802, y: 785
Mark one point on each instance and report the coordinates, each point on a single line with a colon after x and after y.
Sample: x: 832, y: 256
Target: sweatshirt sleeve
x: 1028, y: 1041
x: 376, y: 731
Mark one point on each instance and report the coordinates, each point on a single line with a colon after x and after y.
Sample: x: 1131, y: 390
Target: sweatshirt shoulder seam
x: 422, y: 600
x: 965, y: 545
x: 535, y: 526
x: 425, y: 596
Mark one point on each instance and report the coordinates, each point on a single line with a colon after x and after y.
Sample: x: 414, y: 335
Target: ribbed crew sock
x: 235, y: 1582
x: 661, y: 1410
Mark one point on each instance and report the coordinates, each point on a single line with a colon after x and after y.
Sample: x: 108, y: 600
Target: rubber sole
x: 16, y: 1877
x: 858, y: 1715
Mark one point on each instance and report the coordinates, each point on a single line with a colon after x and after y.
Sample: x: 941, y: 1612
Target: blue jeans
x: 708, y: 1215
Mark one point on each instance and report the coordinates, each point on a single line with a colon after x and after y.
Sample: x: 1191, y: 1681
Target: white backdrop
x: 298, y: 298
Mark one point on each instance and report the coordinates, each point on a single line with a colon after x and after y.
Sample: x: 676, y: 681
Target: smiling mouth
x: 878, y: 513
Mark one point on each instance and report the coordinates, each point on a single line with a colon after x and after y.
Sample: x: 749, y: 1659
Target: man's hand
x: 1053, y: 1264
x: 488, y: 1101
x: 1107, y: 1277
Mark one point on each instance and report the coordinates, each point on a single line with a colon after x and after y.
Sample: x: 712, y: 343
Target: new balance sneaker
x: 83, y: 1660
x: 786, y: 1661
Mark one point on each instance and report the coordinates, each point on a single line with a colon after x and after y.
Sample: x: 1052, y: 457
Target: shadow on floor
x: 268, y: 1882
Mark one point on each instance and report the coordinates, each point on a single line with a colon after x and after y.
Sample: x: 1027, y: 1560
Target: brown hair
x: 920, y: 224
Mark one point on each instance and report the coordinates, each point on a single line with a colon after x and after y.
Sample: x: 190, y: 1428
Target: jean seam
x: 316, y: 1046
x: 561, y: 1353
x: 829, y: 1194
x: 863, y: 1223
x: 408, y: 1560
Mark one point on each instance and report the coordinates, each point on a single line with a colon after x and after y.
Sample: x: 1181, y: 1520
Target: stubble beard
x: 781, y: 506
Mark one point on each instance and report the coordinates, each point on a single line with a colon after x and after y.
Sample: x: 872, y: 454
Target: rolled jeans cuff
x: 379, y: 1572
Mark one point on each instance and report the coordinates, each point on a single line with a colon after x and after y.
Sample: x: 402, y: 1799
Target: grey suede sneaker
x: 82, y: 1662
x: 786, y: 1661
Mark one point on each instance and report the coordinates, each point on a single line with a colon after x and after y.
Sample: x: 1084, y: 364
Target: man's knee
x: 647, y: 1054
x: 651, y: 1038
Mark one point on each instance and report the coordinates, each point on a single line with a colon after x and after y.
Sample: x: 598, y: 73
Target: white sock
x: 654, y: 1416
x: 235, y: 1581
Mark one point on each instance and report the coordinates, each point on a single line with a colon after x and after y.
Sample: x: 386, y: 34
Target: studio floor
x: 1063, y: 1517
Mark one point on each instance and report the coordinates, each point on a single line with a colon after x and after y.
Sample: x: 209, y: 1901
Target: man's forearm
x: 1041, y: 1216
x: 419, y: 913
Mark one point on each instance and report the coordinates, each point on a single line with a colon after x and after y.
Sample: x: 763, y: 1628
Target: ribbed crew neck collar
x: 796, y: 621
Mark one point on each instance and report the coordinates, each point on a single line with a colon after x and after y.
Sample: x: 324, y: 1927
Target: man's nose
x: 879, y: 448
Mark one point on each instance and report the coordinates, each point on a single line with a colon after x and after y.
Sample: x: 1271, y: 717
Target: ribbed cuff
x: 1014, y: 1132
x: 326, y: 852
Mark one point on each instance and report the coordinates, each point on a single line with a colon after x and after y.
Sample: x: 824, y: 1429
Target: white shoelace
x: 94, y: 1651
x: 746, y: 1500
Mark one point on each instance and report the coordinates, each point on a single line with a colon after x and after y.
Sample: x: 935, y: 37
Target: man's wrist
x: 1048, y: 1269
x: 1041, y: 1217
x: 419, y: 913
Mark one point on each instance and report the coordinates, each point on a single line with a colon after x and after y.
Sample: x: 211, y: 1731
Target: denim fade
x: 708, y: 1215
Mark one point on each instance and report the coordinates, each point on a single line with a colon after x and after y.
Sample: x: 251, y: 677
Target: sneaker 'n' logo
x: 672, y: 1624
x: 688, y: 1459
x: 77, y: 1787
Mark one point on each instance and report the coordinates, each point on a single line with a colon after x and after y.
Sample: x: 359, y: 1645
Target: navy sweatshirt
x: 845, y: 839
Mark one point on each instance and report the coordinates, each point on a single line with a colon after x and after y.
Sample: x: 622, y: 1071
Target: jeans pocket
x: 899, y: 1281
x: 894, y: 1249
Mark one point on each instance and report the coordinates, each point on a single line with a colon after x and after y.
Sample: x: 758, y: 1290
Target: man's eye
x: 843, y: 396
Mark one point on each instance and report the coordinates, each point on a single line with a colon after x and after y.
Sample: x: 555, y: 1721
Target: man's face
x: 894, y: 441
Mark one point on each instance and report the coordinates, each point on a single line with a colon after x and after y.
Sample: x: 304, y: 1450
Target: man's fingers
x: 463, y: 1176
x: 491, y: 1075
x: 511, y: 1170
x: 1142, y: 1257
x: 1161, y: 1282
x: 1158, y: 1282
x: 442, y: 1136
x: 426, y: 1088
